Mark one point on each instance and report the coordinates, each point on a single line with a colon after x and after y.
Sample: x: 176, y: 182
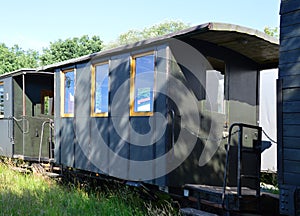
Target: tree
x: 15, y: 58
x: 272, y: 31
x: 70, y: 48
x: 132, y: 35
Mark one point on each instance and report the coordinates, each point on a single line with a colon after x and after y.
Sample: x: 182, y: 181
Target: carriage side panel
x: 6, y: 133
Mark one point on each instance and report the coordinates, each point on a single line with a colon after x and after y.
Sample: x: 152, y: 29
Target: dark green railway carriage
x: 288, y: 109
x: 159, y: 110
x: 26, y: 115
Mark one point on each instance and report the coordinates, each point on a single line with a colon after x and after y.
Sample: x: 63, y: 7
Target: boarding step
x: 45, y: 170
x: 50, y: 167
x: 37, y: 168
x: 194, y: 212
x: 211, y: 196
x: 52, y: 175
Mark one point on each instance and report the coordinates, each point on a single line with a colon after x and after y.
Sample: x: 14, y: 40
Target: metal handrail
x: 51, y: 128
x: 41, y: 140
x: 22, y: 119
x: 240, y: 145
x: 10, y: 118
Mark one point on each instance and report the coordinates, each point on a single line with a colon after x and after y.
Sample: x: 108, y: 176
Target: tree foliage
x: 133, y: 35
x: 272, y: 31
x: 70, y: 48
x: 15, y: 58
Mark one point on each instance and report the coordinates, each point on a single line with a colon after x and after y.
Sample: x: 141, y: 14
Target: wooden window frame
x: 132, y: 83
x: 62, y: 92
x: 93, y: 90
x: 2, y: 84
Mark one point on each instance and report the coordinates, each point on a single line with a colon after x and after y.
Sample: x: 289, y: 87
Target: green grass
x: 28, y: 194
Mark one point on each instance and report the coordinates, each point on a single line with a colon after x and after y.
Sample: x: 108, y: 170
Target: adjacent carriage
x: 26, y: 116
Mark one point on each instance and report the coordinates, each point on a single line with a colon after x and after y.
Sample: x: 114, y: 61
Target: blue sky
x: 34, y: 23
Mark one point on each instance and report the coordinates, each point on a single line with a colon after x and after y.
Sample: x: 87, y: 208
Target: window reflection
x: 215, y: 91
x: 144, y: 83
x: 101, y: 88
x: 69, y: 84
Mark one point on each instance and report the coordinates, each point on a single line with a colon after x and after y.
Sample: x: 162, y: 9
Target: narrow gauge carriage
x: 26, y: 115
x: 157, y: 111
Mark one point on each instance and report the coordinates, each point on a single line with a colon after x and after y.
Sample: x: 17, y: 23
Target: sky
x: 33, y: 24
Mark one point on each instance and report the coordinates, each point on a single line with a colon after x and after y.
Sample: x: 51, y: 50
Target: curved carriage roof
x: 23, y: 71
x: 255, y: 45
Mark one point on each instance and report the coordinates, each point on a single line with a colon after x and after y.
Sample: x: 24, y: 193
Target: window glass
x: 1, y: 99
x: 46, y: 105
x: 47, y: 102
x: 143, y: 83
x: 69, y: 90
x: 101, y: 88
x: 215, y: 91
